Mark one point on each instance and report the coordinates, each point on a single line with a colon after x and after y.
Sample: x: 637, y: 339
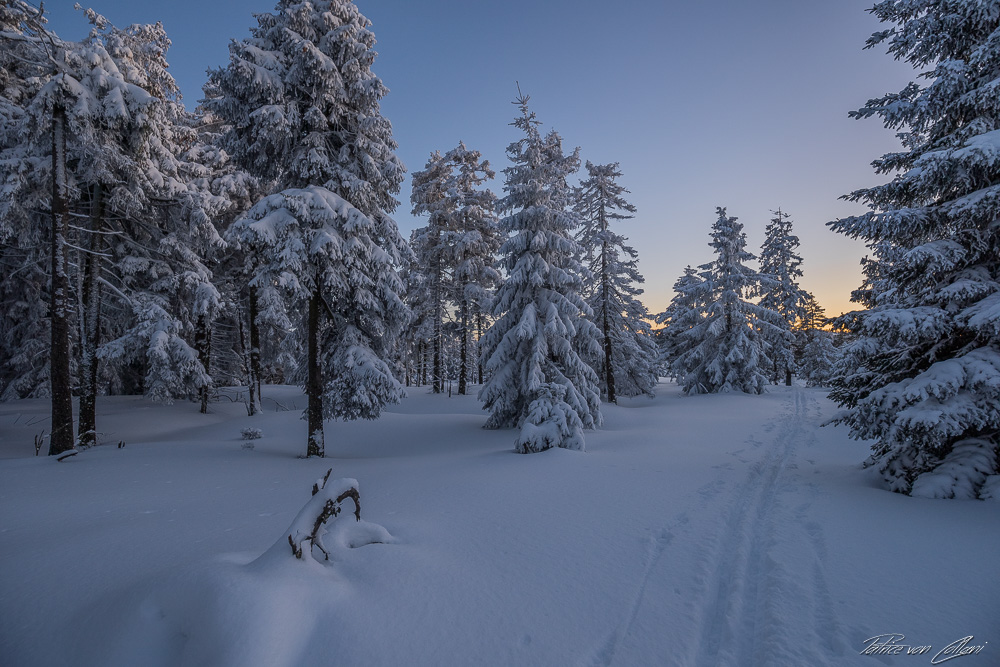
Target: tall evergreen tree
x: 726, y: 350
x: 303, y: 105
x: 628, y: 363
x: 780, y: 269
x: 537, y: 380
x: 476, y: 240
x: 432, y: 246
x: 930, y: 396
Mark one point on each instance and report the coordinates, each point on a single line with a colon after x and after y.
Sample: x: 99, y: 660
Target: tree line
x: 148, y: 248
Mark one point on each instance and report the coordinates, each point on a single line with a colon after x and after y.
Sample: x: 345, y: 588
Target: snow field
x: 705, y: 530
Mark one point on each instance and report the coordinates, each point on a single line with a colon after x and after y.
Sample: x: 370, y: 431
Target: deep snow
x: 708, y: 530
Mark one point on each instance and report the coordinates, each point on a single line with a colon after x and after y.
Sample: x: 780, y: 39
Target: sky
x: 726, y: 103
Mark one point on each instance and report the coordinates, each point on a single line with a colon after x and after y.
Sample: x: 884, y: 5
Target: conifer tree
x: 726, y: 350
x: 432, y: 248
x: 929, y: 341
x: 780, y: 269
x: 627, y: 365
x: 681, y: 314
x: 476, y: 240
x: 303, y: 106
x: 537, y: 380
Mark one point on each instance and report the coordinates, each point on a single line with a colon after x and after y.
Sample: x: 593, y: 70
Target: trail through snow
x: 755, y: 589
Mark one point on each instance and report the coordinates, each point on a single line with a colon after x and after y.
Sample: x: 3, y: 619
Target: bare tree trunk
x: 203, y: 345
x: 90, y: 322
x: 438, y: 333
x: 60, y: 382
x: 479, y: 337
x: 253, y: 404
x: 463, y: 370
x: 609, y: 372
x: 256, y: 370
x: 314, y: 384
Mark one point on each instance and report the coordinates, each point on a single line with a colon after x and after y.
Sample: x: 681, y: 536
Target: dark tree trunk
x: 463, y: 370
x: 203, y: 345
x: 60, y: 382
x: 479, y: 337
x: 314, y: 384
x: 256, y: 371
x: 609, y: 372
x: 253, y: 404
x: 90, y: 322
x: 788, y: 377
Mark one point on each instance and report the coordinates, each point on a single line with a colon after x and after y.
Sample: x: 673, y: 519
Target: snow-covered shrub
x: 252, y: 433
x: 550, y: 422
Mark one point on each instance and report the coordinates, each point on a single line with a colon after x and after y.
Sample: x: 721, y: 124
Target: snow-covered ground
x: 706, y: 531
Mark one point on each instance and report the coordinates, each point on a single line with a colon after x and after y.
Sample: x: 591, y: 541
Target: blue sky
x: 704, y: 104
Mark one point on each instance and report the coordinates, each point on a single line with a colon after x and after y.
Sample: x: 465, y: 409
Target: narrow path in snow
x: 739, y: 577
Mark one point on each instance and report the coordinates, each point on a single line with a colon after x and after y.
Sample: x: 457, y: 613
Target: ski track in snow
x: 759, y: 593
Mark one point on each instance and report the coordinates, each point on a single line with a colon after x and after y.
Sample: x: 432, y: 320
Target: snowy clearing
x: 707, y: 531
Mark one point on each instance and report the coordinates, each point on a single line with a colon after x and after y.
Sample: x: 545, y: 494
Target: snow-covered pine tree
x: 25, y: 66
x: 780, y: 269
x: 628, y: 363
x: 682, y: 313
x: 726, y: 350
x: 34, y: 160
x: 931, y: 395
x: 432, y: 247
x: 535, y: 373
x: 476, y: 240
x: 303, y: 106
x: 819, y: 355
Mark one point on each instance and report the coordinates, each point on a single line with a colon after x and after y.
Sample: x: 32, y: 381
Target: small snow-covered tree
x: 818, y: 357
x: 682, y: 313
x: 542, y: 320
x: 628, y: 363
x: 726, y: 349
x: 303, y: 108
x: 780, y: 269
x: 925, y: 382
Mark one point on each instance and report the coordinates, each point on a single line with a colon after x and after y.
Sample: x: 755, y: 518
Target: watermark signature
x: 891, y: 643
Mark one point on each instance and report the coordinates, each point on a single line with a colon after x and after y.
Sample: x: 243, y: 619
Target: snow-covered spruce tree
x: 455, y: 249
x: 475, y: 238
x: 542, y: 320
x: 932, y: 399
x: 303, y: 106
x: 433, y: 252
x: 627, y: 365
x: 682, y: 313
x: 780, y: 269
x: 818, y: 357
x: 34, y: 161
x: 726, y: 350
x: 25, y: 189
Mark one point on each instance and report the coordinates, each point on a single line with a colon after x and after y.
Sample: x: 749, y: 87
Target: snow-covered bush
x: 550, y: 422
x: 252, y: 433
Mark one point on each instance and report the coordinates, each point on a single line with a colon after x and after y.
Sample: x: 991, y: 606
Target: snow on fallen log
x: 327, y: 502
